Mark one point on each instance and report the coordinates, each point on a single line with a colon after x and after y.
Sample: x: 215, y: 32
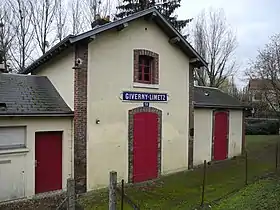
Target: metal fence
x: 247, y: 175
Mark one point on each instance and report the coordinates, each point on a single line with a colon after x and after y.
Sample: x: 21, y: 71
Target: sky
x: 253, y: 20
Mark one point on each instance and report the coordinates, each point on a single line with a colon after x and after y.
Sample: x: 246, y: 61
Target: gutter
x: 198, y: 105
x: 62, y: 114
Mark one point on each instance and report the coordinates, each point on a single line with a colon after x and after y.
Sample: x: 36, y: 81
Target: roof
x: 25, y: 95
x: 169, y: 30
x: 209, y: 97
x: 260, y: 84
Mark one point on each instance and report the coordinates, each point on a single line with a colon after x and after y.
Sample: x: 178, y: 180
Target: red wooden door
x: 220, y: 150
x: 145, y: 147
x: 48, y: 161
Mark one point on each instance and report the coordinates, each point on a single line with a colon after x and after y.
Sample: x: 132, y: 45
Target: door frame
x: 213, y: 131
x: 62, y: 160
x: 131, y: 114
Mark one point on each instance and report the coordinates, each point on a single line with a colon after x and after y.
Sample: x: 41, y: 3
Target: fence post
x: 112, y: 191
x: 122, y: 195
x: 203, y: 183
x: 71, y: 195
x: 276, y: 157
x: 246, y: 168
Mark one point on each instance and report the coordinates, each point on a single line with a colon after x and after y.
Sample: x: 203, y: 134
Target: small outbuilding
x: 218, y: 125
x: 35, y: 137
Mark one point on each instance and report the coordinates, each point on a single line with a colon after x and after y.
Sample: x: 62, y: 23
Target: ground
x: 183, y: 190
x: 263, y: 194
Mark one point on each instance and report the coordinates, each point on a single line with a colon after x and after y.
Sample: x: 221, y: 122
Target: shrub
x: 261, y: 126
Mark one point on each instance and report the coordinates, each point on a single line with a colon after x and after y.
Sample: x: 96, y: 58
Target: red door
x: 48, y: 161
x: 145, y: 147
x: 220, y: 149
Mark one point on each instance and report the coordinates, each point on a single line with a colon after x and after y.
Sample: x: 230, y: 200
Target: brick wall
x: 80, y: 118
x: 191, y: 117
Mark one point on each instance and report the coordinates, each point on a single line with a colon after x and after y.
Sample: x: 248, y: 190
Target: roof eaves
x: 133, y: 17
x: 70, y: 39
x: 39, y: 114
x: 220, y: 106
x: 111, y: 25
x: 49, y: 54
x: 183, y: 40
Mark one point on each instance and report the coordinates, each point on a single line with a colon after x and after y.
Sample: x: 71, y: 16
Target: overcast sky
x: 253, y: 20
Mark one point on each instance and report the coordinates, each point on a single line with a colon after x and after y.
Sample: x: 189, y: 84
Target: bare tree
x: 6, y: 34
x: 92, y: 8
x: 60, y: 20
x: 216, y: 42
x: 22, y: 45
x: 76, y: 17
x: 266, y: 68
x: 42, y: 17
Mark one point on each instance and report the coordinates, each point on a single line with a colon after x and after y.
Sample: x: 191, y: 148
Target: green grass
x: 263, y: 194
x: 183, y: 190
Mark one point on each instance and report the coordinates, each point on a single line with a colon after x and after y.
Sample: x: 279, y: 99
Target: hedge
x: 261, y: 126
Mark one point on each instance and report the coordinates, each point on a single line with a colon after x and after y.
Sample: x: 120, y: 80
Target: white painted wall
x: 235, y: 133
x: 60, y: 73
x: 203, y: 122
x: 202, y: 135
x: 111, y: 72
x: 12, y: 176
x: 17, y: 179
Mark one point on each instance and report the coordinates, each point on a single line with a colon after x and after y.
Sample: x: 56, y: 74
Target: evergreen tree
x: 165, y: 7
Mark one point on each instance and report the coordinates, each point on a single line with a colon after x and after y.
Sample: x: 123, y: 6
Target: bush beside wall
x: 261, y: 126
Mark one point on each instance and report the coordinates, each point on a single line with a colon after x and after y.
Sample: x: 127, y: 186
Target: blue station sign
x: 140, y: 96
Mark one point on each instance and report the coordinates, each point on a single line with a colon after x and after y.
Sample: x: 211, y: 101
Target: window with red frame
x: 145, y: 69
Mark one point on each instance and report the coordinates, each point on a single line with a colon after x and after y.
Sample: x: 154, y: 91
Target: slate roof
x: 26, y: 95
x: 208, y: 97
x: 167, y: 28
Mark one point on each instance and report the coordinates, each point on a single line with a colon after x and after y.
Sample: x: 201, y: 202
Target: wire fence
x: 267, y: 157
x: 217, y: 181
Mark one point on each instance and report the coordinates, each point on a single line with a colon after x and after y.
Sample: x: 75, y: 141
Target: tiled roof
x: 214, y: 98
x: 30, y: 95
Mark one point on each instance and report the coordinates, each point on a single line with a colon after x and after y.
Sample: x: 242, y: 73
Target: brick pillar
x: 191, y: 117
x: 80, y: 118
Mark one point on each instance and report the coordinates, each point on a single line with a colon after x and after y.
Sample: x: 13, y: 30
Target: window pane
x: 140, y: 75
x: 147, y: 77
x: 147, y: 70
x: 147, y: 61
x: 11, y: 137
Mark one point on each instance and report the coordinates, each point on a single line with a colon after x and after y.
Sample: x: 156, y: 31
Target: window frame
x: 154, y: 67
x: 142, y: 66
x: 14, y: 146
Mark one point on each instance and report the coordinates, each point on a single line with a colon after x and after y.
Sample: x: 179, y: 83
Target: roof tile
x: 27, y: 95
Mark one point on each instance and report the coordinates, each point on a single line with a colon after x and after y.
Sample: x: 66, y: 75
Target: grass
x: 183, y: 190
x: 263, y: 194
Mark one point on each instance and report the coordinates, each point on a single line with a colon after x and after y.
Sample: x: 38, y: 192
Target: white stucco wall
x: 202, y: 135
x: 110, y: 73
x: 235, y: 133
x: 21, y: 169
x: 203, y: 122
x: 60, y: 73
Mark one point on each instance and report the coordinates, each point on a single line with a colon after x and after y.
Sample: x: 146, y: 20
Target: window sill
x: 143, y: 85
x: 13, y: 151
